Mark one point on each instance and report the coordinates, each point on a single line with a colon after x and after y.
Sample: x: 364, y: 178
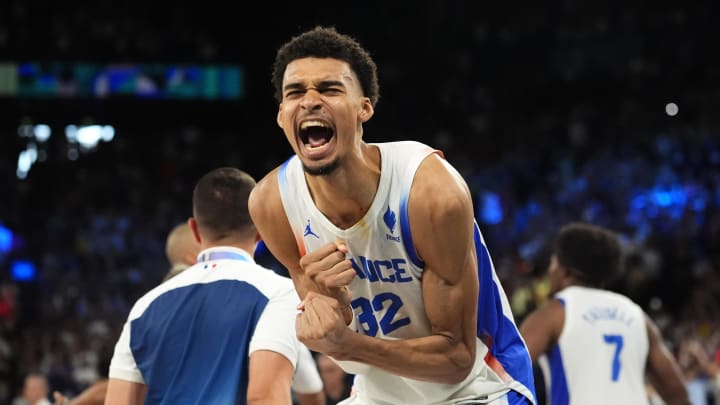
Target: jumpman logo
x: 309, y: 231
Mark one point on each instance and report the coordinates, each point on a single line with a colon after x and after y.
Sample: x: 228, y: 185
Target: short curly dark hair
x: 326, y: 42
x: 591, y: 253
x: 220, y: 203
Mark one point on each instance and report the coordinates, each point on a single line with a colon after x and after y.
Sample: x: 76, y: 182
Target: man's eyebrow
x: 290, y: 86
x: 322, y: 84
x: 331, y: 83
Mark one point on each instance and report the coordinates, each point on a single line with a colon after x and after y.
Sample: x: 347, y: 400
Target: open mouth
x: 315, y: 135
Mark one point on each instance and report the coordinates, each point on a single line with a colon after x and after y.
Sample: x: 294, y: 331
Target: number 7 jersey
x: 601, y: 352
x: 387, y: 298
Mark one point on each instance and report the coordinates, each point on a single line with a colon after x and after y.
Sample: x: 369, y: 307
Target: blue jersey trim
x: 559, y: 394
x: 497, y: 331
x: 282, y: 174
x: 407, y: 234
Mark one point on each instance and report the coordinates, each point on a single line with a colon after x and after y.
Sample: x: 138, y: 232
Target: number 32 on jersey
x: 367, y: 319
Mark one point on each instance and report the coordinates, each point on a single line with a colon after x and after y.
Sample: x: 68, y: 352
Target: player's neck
x: 245, y: 244
x: 345, y: 195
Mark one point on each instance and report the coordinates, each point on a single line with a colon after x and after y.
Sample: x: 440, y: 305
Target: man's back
x: 602, y: 350
x: 189, y: 339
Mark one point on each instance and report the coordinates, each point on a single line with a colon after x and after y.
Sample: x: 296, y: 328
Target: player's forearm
x: 673, y: 392
x: 435, y: 358
x: 677, y: 398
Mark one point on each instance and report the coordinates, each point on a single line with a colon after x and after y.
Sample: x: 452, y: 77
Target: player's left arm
x: 93, y: 395
x: 442, y: 223
x: 312, y: 398
x: 663, y: 370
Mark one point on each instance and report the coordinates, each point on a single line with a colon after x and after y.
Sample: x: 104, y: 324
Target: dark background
x: 555, y: 108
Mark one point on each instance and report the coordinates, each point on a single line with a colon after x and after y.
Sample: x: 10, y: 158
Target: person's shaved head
x: 181, y: 249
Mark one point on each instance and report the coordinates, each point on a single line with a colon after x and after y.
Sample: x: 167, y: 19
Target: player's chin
x: 321, y: 168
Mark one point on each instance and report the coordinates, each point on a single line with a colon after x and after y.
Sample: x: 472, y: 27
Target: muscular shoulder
x: 265, y: 197
x: 438, y: 191
x: 441, y: 217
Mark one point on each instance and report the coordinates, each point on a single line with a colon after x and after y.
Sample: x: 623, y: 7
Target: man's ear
x: 277, y: 118
x: 565, y: 274
x: 192, y: 223
x: 366, y: 110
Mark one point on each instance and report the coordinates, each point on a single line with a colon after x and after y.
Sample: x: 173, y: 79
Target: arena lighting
x: 89, y: 136
x: 80, y: 138
x: 6, y: 240
x: 22, y: 270
x: 491, y: 211
x: 42, y: 132
x: 25, y: 161
x: 37, y: 135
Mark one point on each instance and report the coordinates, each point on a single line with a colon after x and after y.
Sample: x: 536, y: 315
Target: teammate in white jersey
x: 220, y: 332
x: 381, y: 242
x: 599, y: 345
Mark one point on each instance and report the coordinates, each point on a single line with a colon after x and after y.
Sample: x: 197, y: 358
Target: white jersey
x: 602, y: 350
x: 189, y: 339
x: 387, y: 291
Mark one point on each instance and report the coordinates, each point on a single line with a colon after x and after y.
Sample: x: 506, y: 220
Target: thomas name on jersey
x: 597, y: 314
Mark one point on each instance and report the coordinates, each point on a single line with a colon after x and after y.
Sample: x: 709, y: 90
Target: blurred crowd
x: 99, y: 243
x: 552, y: 115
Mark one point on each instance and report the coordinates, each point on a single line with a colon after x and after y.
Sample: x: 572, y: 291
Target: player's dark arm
x: 312, y: 398
x: 93, y: 395
x: 542, y: 327
x: 663, y: 370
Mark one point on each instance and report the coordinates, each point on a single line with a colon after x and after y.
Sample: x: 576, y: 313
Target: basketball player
x: 381, y: 243
x: 599, y: 344
x: 221, y: 331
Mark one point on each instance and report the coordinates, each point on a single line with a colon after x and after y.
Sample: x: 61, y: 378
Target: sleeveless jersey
x: 387, y: 298
x: 602, y: 350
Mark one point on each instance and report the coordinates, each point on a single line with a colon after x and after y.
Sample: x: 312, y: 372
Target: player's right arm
x: 542, y: 327
x: 268, y: 215
x: 325, y: 270
x: 663, y: 370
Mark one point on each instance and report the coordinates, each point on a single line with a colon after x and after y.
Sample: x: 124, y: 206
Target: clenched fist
x: 321, y: 325
x: 328, y: 271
